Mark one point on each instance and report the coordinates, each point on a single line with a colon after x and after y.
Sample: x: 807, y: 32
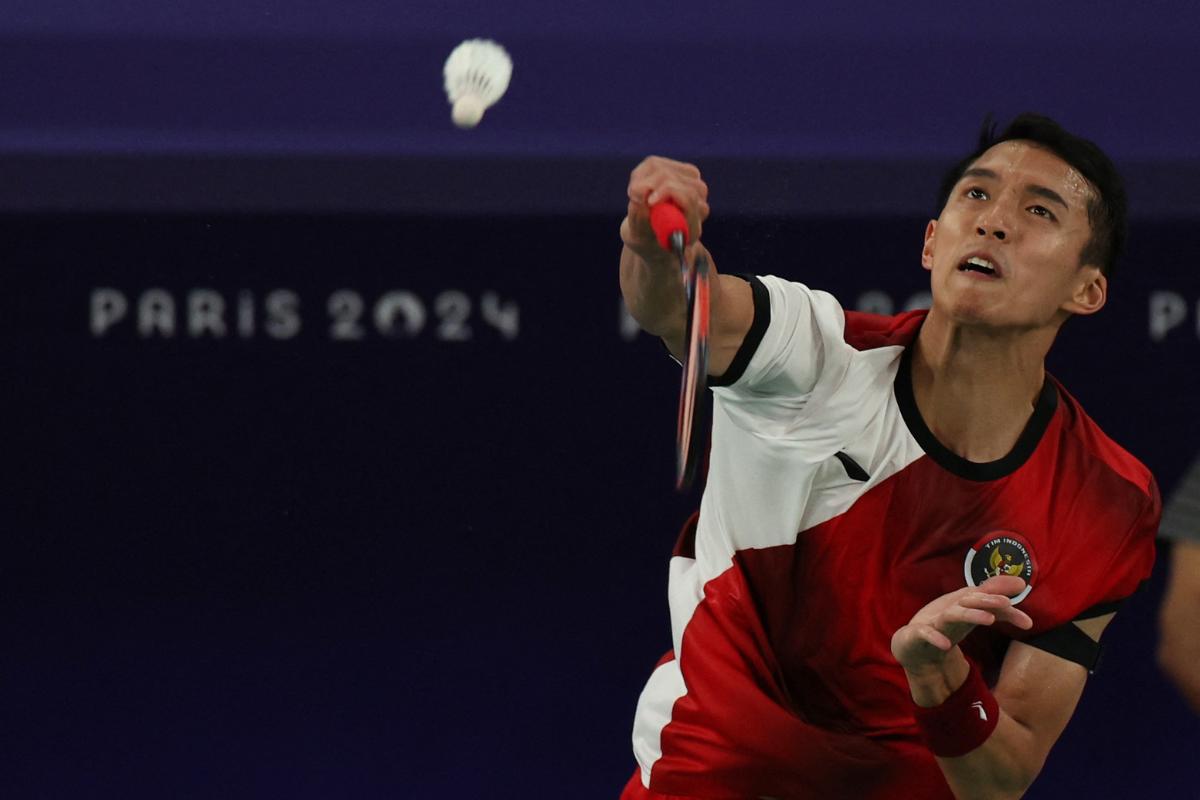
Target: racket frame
x: 690, y: 427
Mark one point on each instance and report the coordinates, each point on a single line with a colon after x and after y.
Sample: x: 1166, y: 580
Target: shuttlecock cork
x: 477, y: 74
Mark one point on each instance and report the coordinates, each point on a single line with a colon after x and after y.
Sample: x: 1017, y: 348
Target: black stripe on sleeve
x: 1100, y: 609
x: 1070, y: 642
x: 754, y: 336
x: 1108, y: 606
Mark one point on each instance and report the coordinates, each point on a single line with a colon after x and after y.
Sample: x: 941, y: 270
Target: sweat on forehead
x: 1015, y: 153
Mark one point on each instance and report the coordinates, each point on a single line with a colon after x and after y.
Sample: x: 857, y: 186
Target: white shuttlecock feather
x: 477, y: 74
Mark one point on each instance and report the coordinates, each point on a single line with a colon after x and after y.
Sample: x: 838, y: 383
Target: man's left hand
x: 936, y: 629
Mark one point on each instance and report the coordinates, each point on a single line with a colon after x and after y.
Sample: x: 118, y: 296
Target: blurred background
x: 333, y: 466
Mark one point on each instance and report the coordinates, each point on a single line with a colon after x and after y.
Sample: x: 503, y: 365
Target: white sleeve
x: 795, y: 349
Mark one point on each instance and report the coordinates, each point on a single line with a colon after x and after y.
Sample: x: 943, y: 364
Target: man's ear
x: 1091, y: 292
x: 927, y: 250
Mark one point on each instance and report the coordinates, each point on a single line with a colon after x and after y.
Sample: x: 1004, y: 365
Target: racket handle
x: 667, y: 218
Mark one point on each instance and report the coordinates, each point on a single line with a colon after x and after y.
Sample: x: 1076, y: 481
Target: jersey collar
x: 1027, y: 442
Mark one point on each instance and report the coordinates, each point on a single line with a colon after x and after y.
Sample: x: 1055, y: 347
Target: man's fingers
x: 1016, y: 617
x: 659, y: 179
x: 641, y: 183
x: 998, y: 604
x: 978, y: 599
x: 653, y: 164
x: 1008, y: 585
x: 690, y: 170
x: 685, y: 193
x: 931, y: 635
x: 950, y: 618
x: 968, y: 616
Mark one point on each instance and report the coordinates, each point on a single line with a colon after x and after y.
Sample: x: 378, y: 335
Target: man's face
x: 1005, y: 251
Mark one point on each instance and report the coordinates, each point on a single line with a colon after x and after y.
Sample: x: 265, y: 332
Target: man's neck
x: 976, y: 389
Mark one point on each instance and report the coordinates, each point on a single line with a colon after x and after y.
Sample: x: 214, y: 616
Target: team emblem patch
x: 1001, y: 553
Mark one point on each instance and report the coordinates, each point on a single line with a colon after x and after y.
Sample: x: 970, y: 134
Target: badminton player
x: 911, y: 536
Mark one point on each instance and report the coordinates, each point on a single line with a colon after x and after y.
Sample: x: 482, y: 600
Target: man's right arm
x: 650, y: 279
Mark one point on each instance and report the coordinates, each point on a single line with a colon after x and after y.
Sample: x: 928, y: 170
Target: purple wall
x: 773, y: 85
x: 419, y: 548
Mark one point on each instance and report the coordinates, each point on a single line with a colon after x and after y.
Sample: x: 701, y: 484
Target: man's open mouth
x: 980, y: 264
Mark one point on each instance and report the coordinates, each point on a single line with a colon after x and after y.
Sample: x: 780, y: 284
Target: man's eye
x: 1042, y: 211
x: 975, y: 193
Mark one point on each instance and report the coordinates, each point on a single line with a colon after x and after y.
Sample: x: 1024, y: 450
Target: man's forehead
x: 1033, y: 163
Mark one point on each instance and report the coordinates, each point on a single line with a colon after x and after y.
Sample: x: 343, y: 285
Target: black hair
x: 1106, y: 211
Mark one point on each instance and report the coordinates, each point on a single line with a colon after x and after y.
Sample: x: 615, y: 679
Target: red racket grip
x: 667, y: 218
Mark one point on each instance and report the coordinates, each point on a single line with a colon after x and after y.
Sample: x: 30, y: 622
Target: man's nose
x: 994, y: 221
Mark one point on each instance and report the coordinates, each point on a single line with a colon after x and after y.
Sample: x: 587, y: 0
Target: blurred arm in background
x: 1179, y: 617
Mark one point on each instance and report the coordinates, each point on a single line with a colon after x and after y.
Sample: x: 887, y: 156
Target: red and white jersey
x: 830, y: 516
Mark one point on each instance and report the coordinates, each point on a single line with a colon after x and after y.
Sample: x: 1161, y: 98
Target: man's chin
x: 964, y: 309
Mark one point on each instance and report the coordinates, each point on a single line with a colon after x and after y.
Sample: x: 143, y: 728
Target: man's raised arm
x: 650, y: 279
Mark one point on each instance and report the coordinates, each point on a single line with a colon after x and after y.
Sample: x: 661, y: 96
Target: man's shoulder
x: 1088, y: 439
x: 860, y: 330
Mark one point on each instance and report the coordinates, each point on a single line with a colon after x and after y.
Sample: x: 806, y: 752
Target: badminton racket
x: 671, y: 229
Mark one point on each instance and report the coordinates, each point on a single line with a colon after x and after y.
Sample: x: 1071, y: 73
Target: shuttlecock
x: 477, y: 74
